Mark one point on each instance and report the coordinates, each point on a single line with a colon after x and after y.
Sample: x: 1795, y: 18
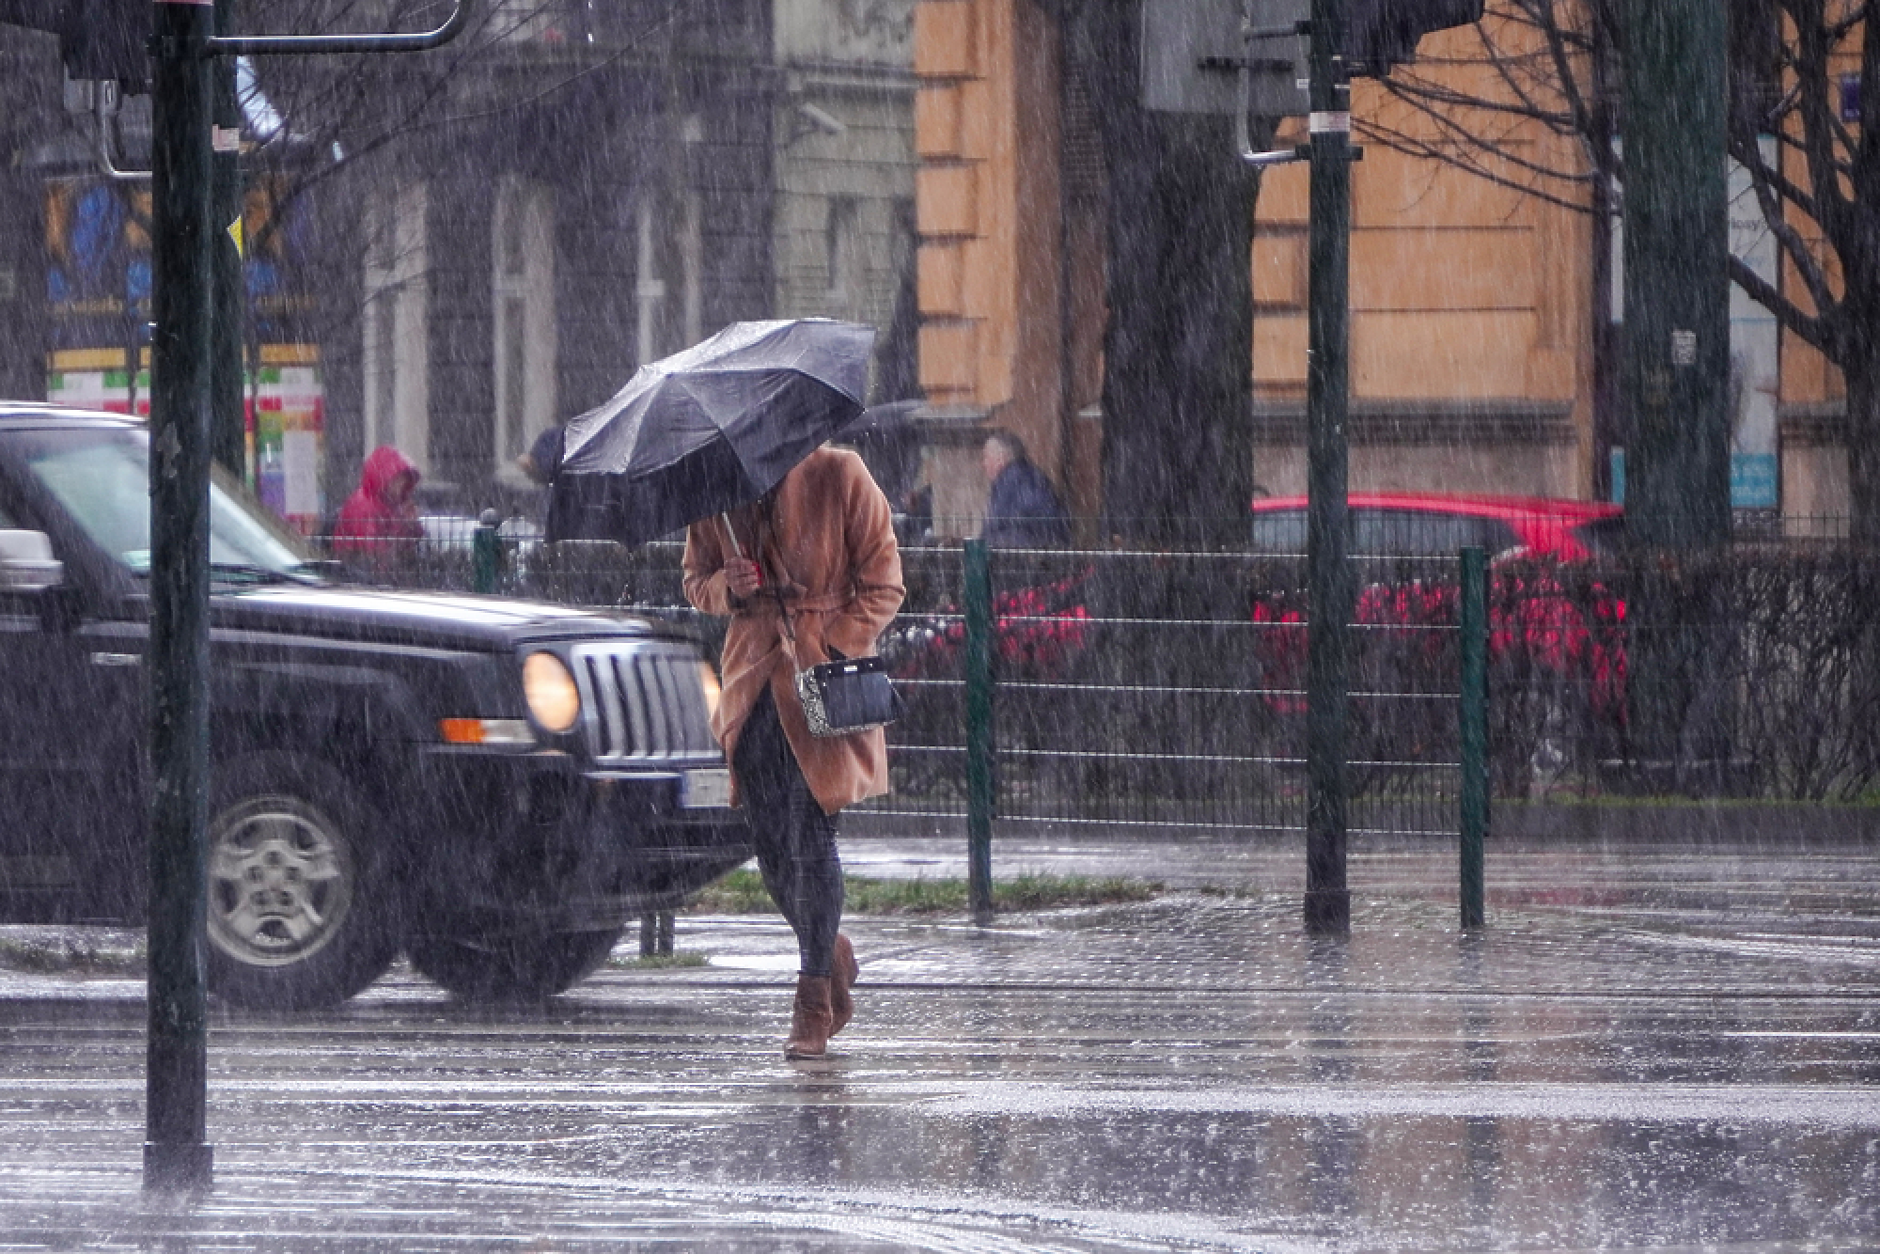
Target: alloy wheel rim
x: 280, y: 882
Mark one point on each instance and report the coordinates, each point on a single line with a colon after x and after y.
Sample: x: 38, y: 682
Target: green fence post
x: 486, y: 554
x: 1474, y: 731
x: 979, y: 742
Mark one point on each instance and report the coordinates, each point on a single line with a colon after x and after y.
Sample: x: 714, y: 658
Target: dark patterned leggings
x: 794, y: 839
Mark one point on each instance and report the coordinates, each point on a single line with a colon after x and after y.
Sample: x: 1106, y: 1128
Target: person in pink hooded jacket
x: 381, y: 512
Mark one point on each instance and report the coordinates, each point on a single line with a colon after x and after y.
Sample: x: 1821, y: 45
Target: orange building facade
x: 1473, y: 318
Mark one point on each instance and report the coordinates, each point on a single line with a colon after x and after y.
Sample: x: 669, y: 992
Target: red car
x: 1417, y: 524
x: 1536, y: 621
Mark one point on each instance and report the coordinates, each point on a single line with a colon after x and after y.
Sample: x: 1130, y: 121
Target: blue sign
x: 1754, y: 481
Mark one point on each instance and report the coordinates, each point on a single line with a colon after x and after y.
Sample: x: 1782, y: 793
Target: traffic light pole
x: 1328, y: 380
x: 177, y: 1154
x: 1329, y: 584
x: 185, y: 235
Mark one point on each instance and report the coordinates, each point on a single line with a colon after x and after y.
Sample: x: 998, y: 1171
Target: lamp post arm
x: 267, y: 45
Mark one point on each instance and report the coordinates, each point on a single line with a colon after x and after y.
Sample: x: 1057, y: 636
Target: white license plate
x: 709, y: 788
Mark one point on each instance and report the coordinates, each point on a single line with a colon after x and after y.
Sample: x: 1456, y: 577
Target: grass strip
x: 742, y: 892
x: 659, y: 962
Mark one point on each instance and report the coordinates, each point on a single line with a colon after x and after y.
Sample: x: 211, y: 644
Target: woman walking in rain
x: 808, y: 574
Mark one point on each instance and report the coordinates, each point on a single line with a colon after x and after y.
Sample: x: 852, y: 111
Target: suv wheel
x: 298, y: 892
x: 515, y: 968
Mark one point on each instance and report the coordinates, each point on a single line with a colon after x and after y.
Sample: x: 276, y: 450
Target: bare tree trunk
x: 1862, y: 372
x: 1177, y: 384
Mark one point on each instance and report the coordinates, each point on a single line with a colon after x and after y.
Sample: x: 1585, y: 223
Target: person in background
x: 542, y: 463
x: 381, y: 516
x: 808, y: 574
x: 543, y: 460
x: 1023, y: 511
x: 914, y: 524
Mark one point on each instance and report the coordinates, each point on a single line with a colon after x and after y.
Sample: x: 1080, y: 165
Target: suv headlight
x: 550, y: 690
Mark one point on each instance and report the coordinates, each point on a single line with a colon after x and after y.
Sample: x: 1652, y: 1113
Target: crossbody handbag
x: 842, y: 696
x: 847, y: 695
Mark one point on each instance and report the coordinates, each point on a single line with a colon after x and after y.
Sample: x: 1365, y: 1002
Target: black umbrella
x: 708, y: 429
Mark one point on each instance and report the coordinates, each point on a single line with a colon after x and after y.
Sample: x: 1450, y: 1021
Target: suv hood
x: 425, y: 619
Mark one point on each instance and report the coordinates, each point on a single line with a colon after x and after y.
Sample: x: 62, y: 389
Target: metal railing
x: 1131, y: 690
x: 1165, y: 690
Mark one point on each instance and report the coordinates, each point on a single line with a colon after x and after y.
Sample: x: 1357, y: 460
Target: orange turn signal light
x: 485, y: 731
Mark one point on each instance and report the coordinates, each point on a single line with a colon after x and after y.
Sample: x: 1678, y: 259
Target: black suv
x: 495, y: 786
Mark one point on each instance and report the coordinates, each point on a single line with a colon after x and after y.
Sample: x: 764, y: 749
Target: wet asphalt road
x: 1647, y: 1048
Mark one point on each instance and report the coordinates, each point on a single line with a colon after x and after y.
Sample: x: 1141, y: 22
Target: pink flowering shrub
x: 1036, y: 631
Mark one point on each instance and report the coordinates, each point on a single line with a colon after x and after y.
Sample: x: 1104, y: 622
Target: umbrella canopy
x: 708, y: 429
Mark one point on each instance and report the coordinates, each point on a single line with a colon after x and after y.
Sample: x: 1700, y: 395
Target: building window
x: 670, y: 264
x: 842, y: 245
x: 397, y: 323
x: 692, y: 264
x: 523, y: 324
x: 522, y: 21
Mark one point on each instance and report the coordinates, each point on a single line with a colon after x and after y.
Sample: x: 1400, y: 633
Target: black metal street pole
x: 185, y: 235
x: 229, y: 439
x: 177, y: 1154
x: 1330, y: 590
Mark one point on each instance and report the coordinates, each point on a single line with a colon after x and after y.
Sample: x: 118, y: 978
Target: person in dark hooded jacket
x: 381, y: 512
x: 1023, y: 511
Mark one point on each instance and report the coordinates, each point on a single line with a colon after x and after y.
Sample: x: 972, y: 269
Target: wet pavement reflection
x: 1646, y: 1048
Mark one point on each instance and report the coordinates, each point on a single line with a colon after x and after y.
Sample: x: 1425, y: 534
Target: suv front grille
x: 642, y: 703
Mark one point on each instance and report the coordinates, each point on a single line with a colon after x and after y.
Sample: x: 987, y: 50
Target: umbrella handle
x: 737, y: 548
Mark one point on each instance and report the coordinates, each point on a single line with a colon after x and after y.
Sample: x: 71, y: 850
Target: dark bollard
x: 656, y: 934
x: 486, y: 553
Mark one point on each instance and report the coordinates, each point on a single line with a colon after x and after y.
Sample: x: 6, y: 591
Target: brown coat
x: 828, y: 544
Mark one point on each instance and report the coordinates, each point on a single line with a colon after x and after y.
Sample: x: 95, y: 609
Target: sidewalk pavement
x: 1673, y: 1048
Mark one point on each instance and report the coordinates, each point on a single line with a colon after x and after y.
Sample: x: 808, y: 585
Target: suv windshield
x: 102, y: 478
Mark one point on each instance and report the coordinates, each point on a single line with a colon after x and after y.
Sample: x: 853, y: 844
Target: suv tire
x: 300, y: 890
x: 515, y: 968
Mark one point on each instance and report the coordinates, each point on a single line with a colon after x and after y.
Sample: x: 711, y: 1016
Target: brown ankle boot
x: 843, y: 972
x: 810, y: 1018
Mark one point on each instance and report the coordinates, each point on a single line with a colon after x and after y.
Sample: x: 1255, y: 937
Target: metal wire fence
x: 1146, y: 690
x: 1149, y: 690
x: 1166, y: 689
x: 1163, y: 693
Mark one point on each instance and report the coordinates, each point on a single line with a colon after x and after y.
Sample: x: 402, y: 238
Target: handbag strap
x: 764, y: 540
x: 784, y: 616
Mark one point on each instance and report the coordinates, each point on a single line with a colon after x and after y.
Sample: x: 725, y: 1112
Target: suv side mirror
x: 27, y: 564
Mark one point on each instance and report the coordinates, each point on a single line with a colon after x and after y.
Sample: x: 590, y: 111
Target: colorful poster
x: 286, y: 417
x: 287, y: 435
x: 98, y: 302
